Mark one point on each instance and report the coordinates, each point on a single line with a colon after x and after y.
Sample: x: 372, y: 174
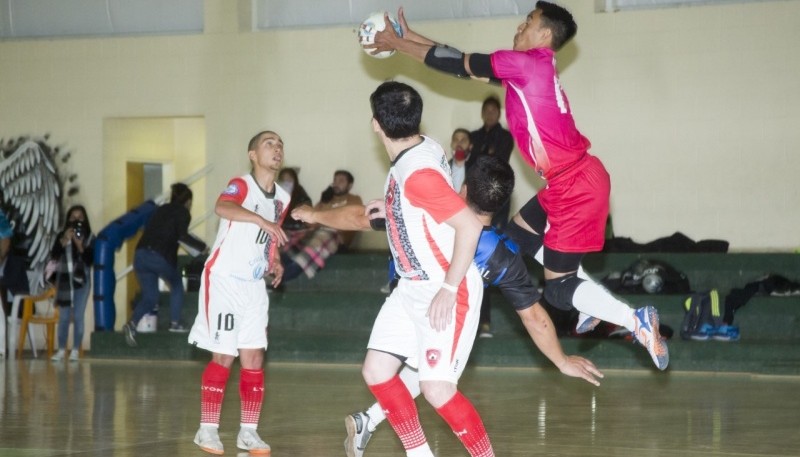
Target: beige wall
x: 695, y: 111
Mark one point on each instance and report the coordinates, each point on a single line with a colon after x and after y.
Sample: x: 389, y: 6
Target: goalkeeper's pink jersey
x: 538, y: 112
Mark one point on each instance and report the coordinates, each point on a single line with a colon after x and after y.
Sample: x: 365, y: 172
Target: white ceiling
x: 73, y: 18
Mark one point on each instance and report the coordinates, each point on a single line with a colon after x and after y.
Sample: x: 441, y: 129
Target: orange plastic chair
x: 29, y: 317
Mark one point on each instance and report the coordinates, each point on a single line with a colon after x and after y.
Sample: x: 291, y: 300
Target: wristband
x: 446, y: 286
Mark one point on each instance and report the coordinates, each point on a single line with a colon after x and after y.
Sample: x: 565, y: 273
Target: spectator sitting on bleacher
x: 309, y: 253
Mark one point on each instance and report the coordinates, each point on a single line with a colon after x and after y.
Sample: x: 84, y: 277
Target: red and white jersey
x: 419, y: 197
x: 242, y: 250
x: 538, y: 112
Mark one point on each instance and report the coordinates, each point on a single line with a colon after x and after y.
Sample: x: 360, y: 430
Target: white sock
x: 593, y: 299
x: 420, y: 451
x: 596, y: 301
x: 410, y: 378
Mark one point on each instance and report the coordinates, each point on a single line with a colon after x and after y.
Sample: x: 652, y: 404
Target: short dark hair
x: 346, y: 174
x: 490, y: 181
x: 491, y: 100
x: 180, y: 193
x: 559, y: 21
x: 397, y: 108
x: 464, y: 131
x: 253, y: 143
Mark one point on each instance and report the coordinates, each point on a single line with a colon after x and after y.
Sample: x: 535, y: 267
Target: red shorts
x: 576, y: 204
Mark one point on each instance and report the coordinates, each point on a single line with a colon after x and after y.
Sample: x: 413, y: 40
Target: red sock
x: 212, y: 390
x: 465, y: 422
x: 400, y: 410
x: 251, y: 391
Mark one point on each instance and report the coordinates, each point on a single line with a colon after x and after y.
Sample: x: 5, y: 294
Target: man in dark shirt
x: 157, y: 257
x: 492, y: 139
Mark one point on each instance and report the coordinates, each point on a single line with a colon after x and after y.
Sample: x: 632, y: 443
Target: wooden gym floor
x: 137, y: 408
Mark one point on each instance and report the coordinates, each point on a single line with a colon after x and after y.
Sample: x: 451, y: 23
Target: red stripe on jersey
x: 462, y: 306
x: 428, y: 189
x: 236, y: 191
x: 437, y: 253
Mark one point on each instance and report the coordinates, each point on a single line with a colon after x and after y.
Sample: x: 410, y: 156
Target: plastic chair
x: 29, y: 317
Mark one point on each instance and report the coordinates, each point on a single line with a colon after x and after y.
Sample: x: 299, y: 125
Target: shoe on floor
x: 358, y: 434
x: 208, y: 439
x: 249, y: 440
x: 58, y: 356
x: 485, y: 331
x: 726, y: 333
x: 646, y: 333
x: 703, y: 333
x: 176, y: 327
x: 74, y: 355
x: 129, y: 330
x: 586, y: 323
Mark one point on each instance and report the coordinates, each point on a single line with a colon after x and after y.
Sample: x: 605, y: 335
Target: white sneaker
x: 358, y: 434
x: 74, y: 355
x: 208, y: 440
x: 586, y: 323
x: 646, y: 333
x: 249, y: 440
x: 58, y: 356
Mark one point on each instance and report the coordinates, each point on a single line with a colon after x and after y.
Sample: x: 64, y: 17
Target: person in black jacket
x: 157, y: 257
x: 73, y: 254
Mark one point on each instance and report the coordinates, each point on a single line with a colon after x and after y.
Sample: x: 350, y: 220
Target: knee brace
x: 559, y: 292
x: 529, y: 243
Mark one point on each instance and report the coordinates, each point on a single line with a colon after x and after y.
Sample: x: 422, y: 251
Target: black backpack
x: 702, y: 309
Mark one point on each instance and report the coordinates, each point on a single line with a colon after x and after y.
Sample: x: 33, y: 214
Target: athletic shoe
x: 358, y: 434
x: 74, y: 356
x: 129, y: 330
x: 703, y: 333
x: 586, y: 323
x: 726, y: 333
x: 208, y: 440
x: 248, y: 440
x: 58, y: 356
x: 485, y: 331
x: 175, y: 327
x: 646, y: 333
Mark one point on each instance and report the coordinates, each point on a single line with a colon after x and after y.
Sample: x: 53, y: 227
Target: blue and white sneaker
x: 358, y: 434
x: 704, y: 333
x: 586, y: 323
x: 726, y: 333
x: 646, y: 333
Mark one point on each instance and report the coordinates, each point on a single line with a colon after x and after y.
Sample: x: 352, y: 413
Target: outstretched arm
x: 431, y: 53
x: 348, y: 217
x: 540, y: 327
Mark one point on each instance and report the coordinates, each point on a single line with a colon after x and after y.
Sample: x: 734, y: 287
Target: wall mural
x: 35, y: 186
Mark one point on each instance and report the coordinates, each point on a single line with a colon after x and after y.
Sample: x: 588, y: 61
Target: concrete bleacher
x: 328, y: 319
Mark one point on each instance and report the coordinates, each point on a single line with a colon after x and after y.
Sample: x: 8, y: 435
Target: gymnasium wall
x: 694, y: 110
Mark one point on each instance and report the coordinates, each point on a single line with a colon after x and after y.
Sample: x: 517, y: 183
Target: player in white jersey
x: 233, y: 305
x: 431, y: 318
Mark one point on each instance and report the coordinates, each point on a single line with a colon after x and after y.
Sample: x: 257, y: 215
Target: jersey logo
x: 232, y: 189
x: 433, y: 356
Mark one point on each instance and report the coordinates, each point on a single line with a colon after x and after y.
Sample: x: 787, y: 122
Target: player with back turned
x: 566, y: 219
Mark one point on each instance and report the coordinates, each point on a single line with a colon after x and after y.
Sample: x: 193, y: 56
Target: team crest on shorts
x: 433, y: 356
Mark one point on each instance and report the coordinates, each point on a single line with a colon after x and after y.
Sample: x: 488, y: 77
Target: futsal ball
x: 373, y: 24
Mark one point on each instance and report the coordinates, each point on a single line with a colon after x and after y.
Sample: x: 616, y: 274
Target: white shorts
x: 402, y: 328
x: 232, y: 314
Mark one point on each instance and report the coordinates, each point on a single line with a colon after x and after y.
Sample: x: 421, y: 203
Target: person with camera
x: 72, y: 254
